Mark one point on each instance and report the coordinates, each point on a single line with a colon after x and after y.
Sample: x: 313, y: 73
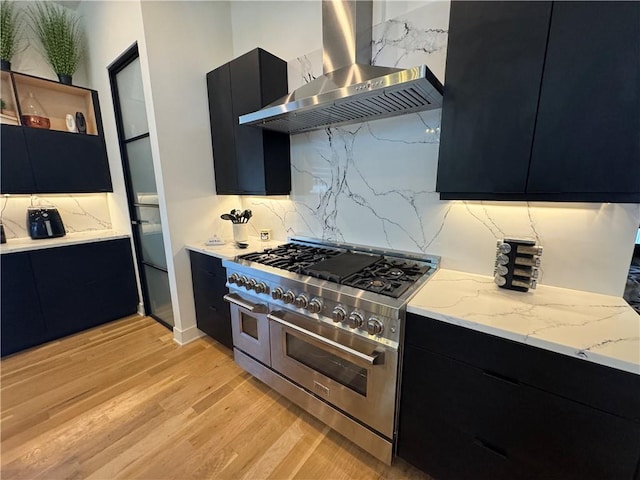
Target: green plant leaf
x: 59, y: 34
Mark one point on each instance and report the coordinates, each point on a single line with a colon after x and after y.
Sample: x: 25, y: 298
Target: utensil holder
x: 240, y: 232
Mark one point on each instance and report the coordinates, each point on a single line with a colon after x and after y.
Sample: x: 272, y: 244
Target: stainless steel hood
x: 351, y: 90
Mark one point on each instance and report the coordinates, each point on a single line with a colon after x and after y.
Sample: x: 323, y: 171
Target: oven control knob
x: 242, y: 281
x: 355, y: 320
x: 289, y: 297
x: 315, y: 306
x: 233, y: 278
x: 339, y: 314
x: 301, y: 301
x: 374, y: 326
x: 261, y: 287
x: 251, y: 284
x: 277, y: 293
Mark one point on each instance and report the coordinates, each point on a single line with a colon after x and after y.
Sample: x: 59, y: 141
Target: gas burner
x: 377, y: 283
x: 396, y: 272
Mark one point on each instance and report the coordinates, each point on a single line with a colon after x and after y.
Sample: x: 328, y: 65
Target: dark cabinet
x: 68, y: 162
x: 17, y: 174
x: 82, y: 286
x: 52, y: 160
x: 209, y: 287
x: 248, y: 160
x: 53, y: 292
x: 22, y: 321
x: 542, y: 102
x: 502, y: 408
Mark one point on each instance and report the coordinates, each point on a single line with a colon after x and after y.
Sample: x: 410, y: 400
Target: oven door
x: 250, y: 327
x: 354, y: 374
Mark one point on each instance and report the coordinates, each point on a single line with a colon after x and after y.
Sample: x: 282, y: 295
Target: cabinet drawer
x: 207, y: 272
x: 566, y: 439
x: 446, y: 453
x: 605, y: 388
x: 214, y: 319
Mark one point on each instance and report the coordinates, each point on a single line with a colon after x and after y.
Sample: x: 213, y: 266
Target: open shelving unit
x: 57, y: 100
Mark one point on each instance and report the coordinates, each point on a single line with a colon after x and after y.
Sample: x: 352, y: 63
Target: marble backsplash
x: 79, y: 213
x: 374, y: 184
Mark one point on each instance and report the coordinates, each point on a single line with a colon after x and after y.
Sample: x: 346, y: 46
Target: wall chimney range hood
x: 350, y: 90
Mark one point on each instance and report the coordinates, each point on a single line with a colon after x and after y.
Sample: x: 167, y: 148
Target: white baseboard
x: 182, y: 337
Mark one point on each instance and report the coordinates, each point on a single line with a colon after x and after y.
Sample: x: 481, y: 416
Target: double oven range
x: 321, y: 323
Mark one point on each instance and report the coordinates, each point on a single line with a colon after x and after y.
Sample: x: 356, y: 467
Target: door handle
x: 363, y: 357
x: 241, y: 302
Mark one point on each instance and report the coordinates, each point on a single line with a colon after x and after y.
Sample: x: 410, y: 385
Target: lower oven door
x: 354, y: 374
x: 250, y: 327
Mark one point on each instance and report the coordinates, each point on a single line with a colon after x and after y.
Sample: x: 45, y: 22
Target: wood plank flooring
x: 124, y: 401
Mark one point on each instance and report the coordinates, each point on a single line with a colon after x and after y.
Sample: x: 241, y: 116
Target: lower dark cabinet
x: 459, y: 420
x: 54, y: 292
x: 212, y: 312
x: 82, y: 286
x: 22, y: 321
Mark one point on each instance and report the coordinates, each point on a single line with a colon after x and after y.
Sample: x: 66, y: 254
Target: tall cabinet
x: 542, y: 102
x: 248, y: 160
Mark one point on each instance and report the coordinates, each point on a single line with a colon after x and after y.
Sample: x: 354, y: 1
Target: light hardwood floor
x: 124, y: 401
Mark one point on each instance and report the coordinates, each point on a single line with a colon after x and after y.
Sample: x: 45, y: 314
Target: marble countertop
x: 598, y: 328
x: 14, y: 245
x: 229, y: 250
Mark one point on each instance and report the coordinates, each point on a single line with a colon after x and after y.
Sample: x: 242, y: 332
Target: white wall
x: 283, y: 28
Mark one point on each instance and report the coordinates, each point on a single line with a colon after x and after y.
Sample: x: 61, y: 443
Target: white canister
x: 240, y: 232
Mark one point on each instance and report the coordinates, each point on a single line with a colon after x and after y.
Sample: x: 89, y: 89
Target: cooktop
x: 378, y: 273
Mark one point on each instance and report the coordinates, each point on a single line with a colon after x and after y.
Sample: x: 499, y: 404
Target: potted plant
x: 60, y: 35
x: 10, y: 29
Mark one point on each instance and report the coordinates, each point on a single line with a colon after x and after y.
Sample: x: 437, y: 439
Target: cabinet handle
x: 500, y: 377
x: 492, y: 448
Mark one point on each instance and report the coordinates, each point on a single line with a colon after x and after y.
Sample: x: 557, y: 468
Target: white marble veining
x: 14, y: 245
x: 79, y: 212
x: 374, y: 184
x: 229, y: 250
x: 598, y: 328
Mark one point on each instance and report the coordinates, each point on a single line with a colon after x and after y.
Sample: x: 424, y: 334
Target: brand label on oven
x: 320, y: 389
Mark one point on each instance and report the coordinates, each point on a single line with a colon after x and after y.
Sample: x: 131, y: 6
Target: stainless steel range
x: 321, y: 323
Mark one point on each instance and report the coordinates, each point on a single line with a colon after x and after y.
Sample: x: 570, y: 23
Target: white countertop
x: 14, y: 245
x: 598, y: 328
x: 229, y: 250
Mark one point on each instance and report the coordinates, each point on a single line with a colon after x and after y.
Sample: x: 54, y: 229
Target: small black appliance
x: 44, y: 222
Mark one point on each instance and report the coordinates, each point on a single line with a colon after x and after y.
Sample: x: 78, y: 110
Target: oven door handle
x: 241, y: 302
x: 363, y: 357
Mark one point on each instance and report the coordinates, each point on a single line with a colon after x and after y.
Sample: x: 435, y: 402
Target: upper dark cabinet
x: 51, y: 158
x: 542, y: 102
x: 248, y: 160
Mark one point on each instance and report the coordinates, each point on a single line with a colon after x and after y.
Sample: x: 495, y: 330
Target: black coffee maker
x: 44, y: 222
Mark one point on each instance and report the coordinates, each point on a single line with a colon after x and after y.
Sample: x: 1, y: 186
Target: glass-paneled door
x: 142, y: 193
